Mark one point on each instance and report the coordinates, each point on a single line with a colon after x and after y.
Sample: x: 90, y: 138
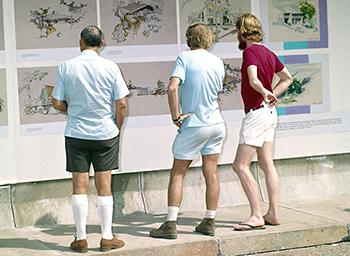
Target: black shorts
x: 102, y: 154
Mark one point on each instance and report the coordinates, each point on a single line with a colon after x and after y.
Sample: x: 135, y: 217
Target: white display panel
x: 313, y: 121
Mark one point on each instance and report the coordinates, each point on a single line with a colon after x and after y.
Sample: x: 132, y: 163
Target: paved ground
x: 304, y: 225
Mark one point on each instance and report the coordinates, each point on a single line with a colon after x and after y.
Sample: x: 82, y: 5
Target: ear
x: 103, y: 43
x: 82, y: 45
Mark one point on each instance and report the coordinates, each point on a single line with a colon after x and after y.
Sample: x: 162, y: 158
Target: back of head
x: 199, y: 36
x: 92, y: 36
x: 249, y: 27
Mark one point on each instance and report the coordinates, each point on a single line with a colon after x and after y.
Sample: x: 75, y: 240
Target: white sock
x: 210, y: 214
x: 173, y: 211
x: 80, y: 211
x: 105, y: 211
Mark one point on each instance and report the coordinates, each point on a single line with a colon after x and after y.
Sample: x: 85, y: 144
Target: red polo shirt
x: 267, y: 64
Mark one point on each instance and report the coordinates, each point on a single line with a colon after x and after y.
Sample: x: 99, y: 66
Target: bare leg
x: 241, y: 166
x: 209, y: 169
x: 265, y: 160
x: 175, y: 188
x: 80, y: 183
x: 103, y: 183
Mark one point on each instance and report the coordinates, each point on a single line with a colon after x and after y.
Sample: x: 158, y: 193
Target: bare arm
x: 254, y: 82
x: 173, y: 97
x: 285, y: 80
x: 60, y: 105
x: 120, y: 111
x: 173, y: 101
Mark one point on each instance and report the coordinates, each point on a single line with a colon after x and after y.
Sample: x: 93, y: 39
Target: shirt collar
x: 89, y: 52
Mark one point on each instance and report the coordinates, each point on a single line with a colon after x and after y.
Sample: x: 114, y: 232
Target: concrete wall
x: 47, y: 203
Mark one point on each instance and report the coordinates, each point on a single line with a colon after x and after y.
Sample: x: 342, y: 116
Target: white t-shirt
x: 202, y: 75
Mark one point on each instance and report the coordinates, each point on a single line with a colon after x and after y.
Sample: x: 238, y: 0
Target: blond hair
x: 249, y: 27
x: 199, y: 36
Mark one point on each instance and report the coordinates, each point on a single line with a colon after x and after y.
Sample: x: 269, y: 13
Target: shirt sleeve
x: 120, y: 89
x: 249, y: 58
x: 58, y: 91
x: 279, y: 65
x: 179, y: 69
x: 223, y: 73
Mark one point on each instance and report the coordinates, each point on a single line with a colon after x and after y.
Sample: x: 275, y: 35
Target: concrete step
x: 303, y: 225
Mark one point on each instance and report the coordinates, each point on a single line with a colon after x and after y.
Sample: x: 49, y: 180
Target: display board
x: 3, y: 105
x: 144, y: 38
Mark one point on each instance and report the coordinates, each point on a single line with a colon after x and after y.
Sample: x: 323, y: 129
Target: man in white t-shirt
x: 193, y: 90
x: 92, y: 91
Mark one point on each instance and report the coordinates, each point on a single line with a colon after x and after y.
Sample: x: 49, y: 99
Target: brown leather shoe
x: 206, y: 227
x: 109, y: 244
x: 167, y: 230
x: 79, y: 245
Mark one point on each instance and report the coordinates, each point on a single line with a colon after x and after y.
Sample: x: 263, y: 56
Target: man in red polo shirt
x: 258, y: 126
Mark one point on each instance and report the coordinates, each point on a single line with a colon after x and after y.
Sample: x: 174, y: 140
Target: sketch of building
x: 135, y: 16
x: 157, y: 90
x: 219, y: 15
x: 304, y: 79
x: 45, y: 20
x: 297, y: 17
x: 232, y: 79
x: 294, y: 90
x: 40, y: 103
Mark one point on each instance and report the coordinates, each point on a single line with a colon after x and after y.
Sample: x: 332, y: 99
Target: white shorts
x: 192, y: 141
x: 258, y: 126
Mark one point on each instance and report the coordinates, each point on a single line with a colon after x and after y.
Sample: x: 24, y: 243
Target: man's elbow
x: 121, y: 105
x: 59, y: 105
x: 55, y: 103
x: 172, y: 89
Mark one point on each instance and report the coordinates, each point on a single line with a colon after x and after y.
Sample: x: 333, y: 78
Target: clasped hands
x: 270, y: 99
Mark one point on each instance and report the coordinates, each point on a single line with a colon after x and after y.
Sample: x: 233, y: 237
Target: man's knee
x: 239, y: 167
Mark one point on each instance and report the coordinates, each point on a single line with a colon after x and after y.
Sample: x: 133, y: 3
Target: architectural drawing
x: 219, y: 15
x: 294, y: 20
x: 136, y: 17
x: 230, y: 96
x: 52, y: 23
x: 307, y: 87
x: 35, y: 89
x: 2, y: 105
x: 45, y: 20
x: 35, y: 103
x: 232, y: 78
x: 157, y: 90
x: 139, y: 21
x: 148, y: 94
